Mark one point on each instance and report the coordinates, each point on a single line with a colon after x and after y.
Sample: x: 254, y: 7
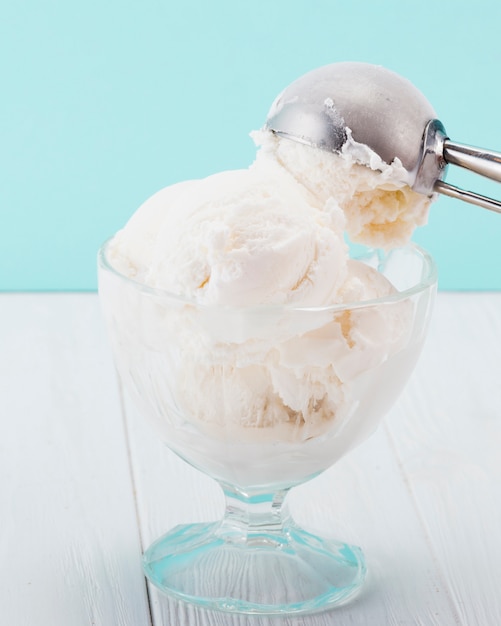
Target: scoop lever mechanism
x: 439, y: 151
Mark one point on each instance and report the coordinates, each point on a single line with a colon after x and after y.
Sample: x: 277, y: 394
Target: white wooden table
x: 85, y: 485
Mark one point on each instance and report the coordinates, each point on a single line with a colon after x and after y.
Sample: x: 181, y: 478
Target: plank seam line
x: 456, y: 613
x: 133, y: 485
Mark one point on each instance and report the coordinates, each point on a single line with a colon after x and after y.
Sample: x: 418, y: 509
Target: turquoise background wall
x: 105, y: 101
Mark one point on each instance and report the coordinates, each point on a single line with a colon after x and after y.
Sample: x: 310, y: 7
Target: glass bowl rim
x: 428, y: 280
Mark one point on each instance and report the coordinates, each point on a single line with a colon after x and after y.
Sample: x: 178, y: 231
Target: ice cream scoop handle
x: 484, y: 162
x: 468, y: 196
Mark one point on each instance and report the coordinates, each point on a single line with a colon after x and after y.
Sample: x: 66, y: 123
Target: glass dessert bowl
x: 262, y: 399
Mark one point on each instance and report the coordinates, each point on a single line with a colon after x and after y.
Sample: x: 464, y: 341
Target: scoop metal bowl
x: 388, y: 114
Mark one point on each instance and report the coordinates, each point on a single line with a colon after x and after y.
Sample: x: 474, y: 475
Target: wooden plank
x: 69, y: 544
x: 447, y: 435
x: 366, y: 499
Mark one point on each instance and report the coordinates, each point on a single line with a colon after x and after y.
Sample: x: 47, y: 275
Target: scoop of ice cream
x: 268, y: 236
x: 290, y: 384
x: 380, y: 208
x: 237, y: 238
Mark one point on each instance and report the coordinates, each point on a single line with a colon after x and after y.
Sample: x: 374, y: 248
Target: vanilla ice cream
x: 265, y: 338
x: 379, y: 206
x: 273, y: 233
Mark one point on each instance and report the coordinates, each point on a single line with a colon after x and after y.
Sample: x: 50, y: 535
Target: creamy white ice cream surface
x: 272, y: 235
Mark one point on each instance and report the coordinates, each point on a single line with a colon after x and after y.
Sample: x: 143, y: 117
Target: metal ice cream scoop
x: 385, y: 112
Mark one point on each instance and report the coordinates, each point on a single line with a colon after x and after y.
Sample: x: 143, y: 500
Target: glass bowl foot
x: 265, y: 572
